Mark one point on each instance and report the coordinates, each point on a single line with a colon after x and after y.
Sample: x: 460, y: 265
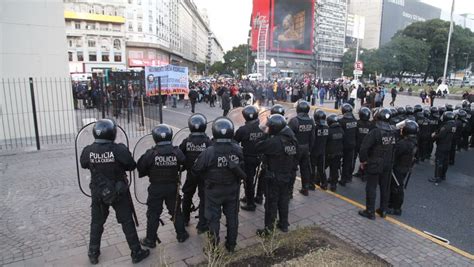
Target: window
x: 139, y: 15
x: 77, y: 25
x: 90, y: 26
x: 118, y: 57
x: 150, y: 28
x: 130, y: 27
x: 80, y: 56
x: 92, y: 56
x: 69, y: 54
x: 70, y: 42
x: 117, y: 44
x: 139, y: 27
x: 105, y: 57
x: 130, y: 1
x: 91, y: 43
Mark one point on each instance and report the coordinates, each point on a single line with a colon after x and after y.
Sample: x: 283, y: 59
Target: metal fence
x: 39, y: 111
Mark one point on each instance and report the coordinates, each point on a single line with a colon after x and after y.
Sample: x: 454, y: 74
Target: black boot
x: 324, y: 187
x: 248, y: 207
x: 259, y: 200
x: 139, y: 255
x: 396, y: 212
x: 434, y: 180
x: 182, y: 237
x: 93, y: 257
x: 367, y: 214
x: 333, y: 188
x: 304, y: 192
x: 148, y: 243
x: 264, y: 232
x: 311, y: 187
x: 381, y: 213
x: 202, y: 230
x: 230, y: 248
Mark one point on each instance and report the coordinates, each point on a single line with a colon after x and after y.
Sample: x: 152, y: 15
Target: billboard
x: 397, y: 14
x: 174, y: 80
x: 290, y: 25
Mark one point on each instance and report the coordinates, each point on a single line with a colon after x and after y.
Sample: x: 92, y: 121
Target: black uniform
x: 162, y: 164
x: 109, y: 161
x: 455, y: 141
x: 405, y: 150
x: 248, y: 135
x: 349, y: 125
x: 363, y: 128
x: 191, y: 148
x: 318, y: 155
x: 303, y: 127
x: 279, y: 151
x: 334, y: 152
x: 222, y: 187
x: 444, y: 139
x: 434, y: 125
x: 424, y: 137
x: 465, y: 132
x: 377, y: 152
x: 471, y: 122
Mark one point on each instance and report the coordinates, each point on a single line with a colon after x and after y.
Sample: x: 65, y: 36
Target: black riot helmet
x: 465, y: 104
x: 383, y: 114
x: 393, y: 111
x: 434, y: 112
x: 105, y: 131
x: 401, y: 111
x: 426, y: 112
x: 448, y: 116
x: 162, y: 134
x: 410, y: 128
x: 277, y: 109
x: 320, y: 116
x: 222, y: 128
x: 250, y: 113
x: 462, y: 114
x: 275, y: 123
x: 346, y: 108
x: 441, y: 110
x: 458, y: 106
x: 417, y: 108
x: 332, y: 119
x: 197, y: 123
x: 409, y: 110
x: 302, y: 107
x: 449, y: 107
x: 364, y: 114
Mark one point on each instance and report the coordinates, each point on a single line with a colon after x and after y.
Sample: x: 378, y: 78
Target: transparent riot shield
x: 235, y: 115
x: 263, y: 116
x: 140, y: 185
x: 84, y: 138
x: 209, y: 129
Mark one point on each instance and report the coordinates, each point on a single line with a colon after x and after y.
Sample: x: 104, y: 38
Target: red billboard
x: 290, y: 25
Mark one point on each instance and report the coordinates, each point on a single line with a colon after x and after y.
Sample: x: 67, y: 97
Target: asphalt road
x: 446, y: 210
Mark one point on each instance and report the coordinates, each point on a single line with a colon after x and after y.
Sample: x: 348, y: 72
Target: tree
x: 236, y: 59
x: 370, y: 58
x: 217, y: 68
x: 200, y: 67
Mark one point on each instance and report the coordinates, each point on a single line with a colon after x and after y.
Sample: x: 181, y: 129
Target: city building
x: 215, y: 52
x: 95, y: 31
x: 383, y: 18
x: 464, y: 20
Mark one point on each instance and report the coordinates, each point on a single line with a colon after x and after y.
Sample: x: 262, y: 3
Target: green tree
x: 370, y: 58
x: 235, y: 59
x: 217, y: 68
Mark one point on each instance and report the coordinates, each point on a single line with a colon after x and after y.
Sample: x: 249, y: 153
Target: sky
x: 230, y: 19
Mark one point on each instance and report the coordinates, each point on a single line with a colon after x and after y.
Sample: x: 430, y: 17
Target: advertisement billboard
x: 260, y: 15
x: 292, y: 26
x: 174, y: 80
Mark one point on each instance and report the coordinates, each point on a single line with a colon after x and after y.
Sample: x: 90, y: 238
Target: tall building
x: 464, y: 20
x: 95, y: 35
x: 330, y: 29
x: 214, y: 50
x: 383, y: 18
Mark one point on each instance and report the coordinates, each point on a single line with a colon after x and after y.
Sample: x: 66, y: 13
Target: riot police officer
x: 364, y: 125
x: 401, y: 113
x: 434, y: 122
x: 456, y: 138
x: 192, y: 146
x: 108, y: 163
x: 162, y: 164
x: 405, y: 150
x: 318, y: 150
x: 219, y: 166
x: 471, y: 122
x: 247, y: 136
x: 303, y: 127
x: 423, y: 135
x: 334, y: 150
x: 279, y: 151
x: 376, y: 157
x: 410, y: 112
x: 465, y: 131
x: 349, y: 125
x: 444, y: 138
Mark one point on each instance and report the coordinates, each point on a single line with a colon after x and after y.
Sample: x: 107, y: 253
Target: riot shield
x: 290, y: 114
x: 263, y: 116
x: 235, y: 115
x: 84, y: 138
x: 140, y: 185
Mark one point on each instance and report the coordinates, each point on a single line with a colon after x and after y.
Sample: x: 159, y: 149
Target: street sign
x: 359, y: 65
x: 357, y: 72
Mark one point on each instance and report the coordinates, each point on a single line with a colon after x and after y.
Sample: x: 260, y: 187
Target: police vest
x: 165, y: 166
x: 195, y: 144
x: 380, y: 157
x: 219, y: 171
x: 253, y: 134
x: 408, y: 147
x: 304, y: 130
x: 280, y: 165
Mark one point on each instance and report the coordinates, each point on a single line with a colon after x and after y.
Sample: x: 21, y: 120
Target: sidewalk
x: 45, y: 222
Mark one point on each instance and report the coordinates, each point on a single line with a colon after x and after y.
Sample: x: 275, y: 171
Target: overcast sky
x: 230, y: 19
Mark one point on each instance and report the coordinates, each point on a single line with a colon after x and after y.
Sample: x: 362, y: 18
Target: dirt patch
x: 310, y: 246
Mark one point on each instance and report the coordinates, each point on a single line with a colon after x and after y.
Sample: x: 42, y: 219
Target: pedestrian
x: 248, y: 135
x: 220, y: 167
x: 364, y: 126
x: 394, y: 93
x: 423, y: 96
x: 376, y: 158
x: 432, y: 96
x: 361, y: 94
x: 334, y: 150
x: 322, y: 95
x: 162, y: 164
x: 318, y: 151
x: 404, y: 156
x: 444, y: 138
x: 193, y: 97
x: 108, y: 163
x: 303, y: 127
x: 279, y: 150
x: 225, y: 101
x: 192, y: 147
x: 349, y: 124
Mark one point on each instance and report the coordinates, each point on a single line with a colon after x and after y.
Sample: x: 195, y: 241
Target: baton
x: 134, y: 213
x: 178, y: 197
x: 395, y: 179
x: 407, y: 178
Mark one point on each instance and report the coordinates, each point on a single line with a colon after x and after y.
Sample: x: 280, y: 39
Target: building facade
x: 385, y: 17
x: 95, y: 33
x: 214, y: 50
